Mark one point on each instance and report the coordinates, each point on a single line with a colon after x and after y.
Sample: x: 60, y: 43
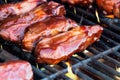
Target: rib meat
x: 60, y: 47
x: 18, y: 8
x: 48, y: 27
x: 107, y: 5
x: 16, y: 70
x: 116, y: 10
x: 79, y: 2
x: 13, y: 29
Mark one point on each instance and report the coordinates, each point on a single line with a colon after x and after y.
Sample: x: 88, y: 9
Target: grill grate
x: 99, y: 61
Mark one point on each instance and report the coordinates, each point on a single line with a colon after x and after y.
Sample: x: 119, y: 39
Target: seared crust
x: 60, y: 47
x: 16, y: 70
x: 18, y: 8
x: 116, y: 10
x: 79, y: 2
x: 107, y: 5
x: 48, y: 27
x: 13, y: 29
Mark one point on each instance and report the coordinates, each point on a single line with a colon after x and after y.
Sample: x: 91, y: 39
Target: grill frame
x: 105, y: 51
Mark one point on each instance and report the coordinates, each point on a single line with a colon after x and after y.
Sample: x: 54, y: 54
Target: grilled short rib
x: 13, y: 29
x: 107, y: 5
x: 79, y: 2
x: 48, y: 27
x: 116, y: 10
x: 54, y: 49
x: 18, y: 8
x: 16, y: 70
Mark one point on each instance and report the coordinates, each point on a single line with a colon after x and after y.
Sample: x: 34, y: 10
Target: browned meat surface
x: 34, y: 0
x: 107, y: 5
x: 79, y: 2
x: 18, y: 8
x: 116, y: 10
x: 16, y: 70
x: 60, y: 47
x: 48, y: 27
x: 13, y: 29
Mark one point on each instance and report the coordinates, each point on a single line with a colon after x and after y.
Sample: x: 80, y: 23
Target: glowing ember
x: 109, y: 16
x: 97, y: 16
x: 70, y: 74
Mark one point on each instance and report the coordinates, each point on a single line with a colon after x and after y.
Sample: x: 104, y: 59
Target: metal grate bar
x: 97, y: 47
x: 115, y: 21
x: 55, y: 74
x: 38, y: 73
x: 102, y: 20
x: 13, y: 1
x: 76, y: 59
x: 77, y: 65
x: 109, y: 59
x: 62, y: 64
x: 102, y: 44
x: 13, y: 49
x: 53, y: 70
x: 83, y: 55
x: 112, y: 34
x: 110, y: 40
x: 93, y: 50
x: 81, y: 75
x: 4, y: 55
x: 79, y: 18
x: 79, y: 10
x: 117, y: 54
x: 103, y: 76
x: 106, y: 52
x: 65, y: 70
x: 2, y: 2
x: 107, y: 68
x: 111, y: 26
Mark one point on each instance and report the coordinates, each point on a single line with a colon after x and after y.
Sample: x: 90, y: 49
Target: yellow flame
x: 117, y: 69
x: 37, y: 65
x: 74, y: 10
x: 109, y: 16
x: 1, y: 47
x: 5, y: 1
x: 97, y: 16
x: 51, y: 65
x: 75, y: 55
x: 70, y: 74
